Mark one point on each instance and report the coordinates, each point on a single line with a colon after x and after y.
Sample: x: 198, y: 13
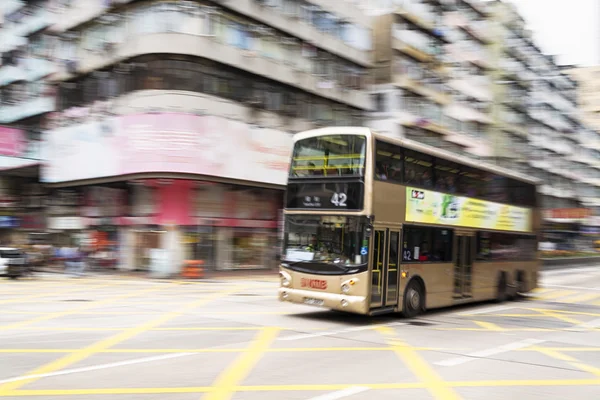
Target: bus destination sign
x: 325, y: 196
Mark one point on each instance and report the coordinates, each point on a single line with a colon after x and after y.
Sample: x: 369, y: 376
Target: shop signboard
x: 429, y: 207
x: 167, y: 142
x: 12, y: 141
x: 8, y: 222
x: 567, y: 213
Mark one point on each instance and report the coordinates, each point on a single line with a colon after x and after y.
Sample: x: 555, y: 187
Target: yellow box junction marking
x: 433, y: 382
x: 489, y: 326
x: 78, y: 310
x: 237, y: 372
x: 57, y: 293
x: 107, y: 343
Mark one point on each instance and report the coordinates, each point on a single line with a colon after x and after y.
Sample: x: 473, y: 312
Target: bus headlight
x: 286, y: 279
x: 346, y: 286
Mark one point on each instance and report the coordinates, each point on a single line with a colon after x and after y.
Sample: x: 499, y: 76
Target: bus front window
x: 332, y: 155
x: 332, y: 240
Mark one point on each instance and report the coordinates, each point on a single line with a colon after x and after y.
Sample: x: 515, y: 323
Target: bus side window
x: 388, y: 162
x: 427, y: 245
x: 421, y: 165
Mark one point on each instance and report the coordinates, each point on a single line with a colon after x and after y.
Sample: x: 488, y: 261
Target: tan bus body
x: 388, y: 282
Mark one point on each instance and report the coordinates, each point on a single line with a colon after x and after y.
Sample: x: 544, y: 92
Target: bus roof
x: 334, y: 130
x: 424, y: 148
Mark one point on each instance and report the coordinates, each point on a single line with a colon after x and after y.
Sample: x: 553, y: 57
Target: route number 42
x: 339, y: 199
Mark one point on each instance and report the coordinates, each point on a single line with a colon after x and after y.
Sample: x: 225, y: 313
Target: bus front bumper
x: 333, y: 301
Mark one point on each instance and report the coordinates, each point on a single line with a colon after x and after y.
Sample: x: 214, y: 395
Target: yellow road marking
x: 554, y: 353
x: 74, y: 311
x: 586, y: 368
x: 582, y: 298
x: 220, y: 350
x: 566, y: 312
x: 504, y: 329
x: 105, y: 344
x: 550, y: 352
x: 238, y: 371
x: 560, y: 317
x: 555, y: 294
x: 298, y: 388
x: 527, y: 382
x: 36, y: 297
x: 516, y: 315
x: 565, y: 349
x: 433, y: 382
x: 489, y: 326
x: 175, y: 328
x: 539, y: 290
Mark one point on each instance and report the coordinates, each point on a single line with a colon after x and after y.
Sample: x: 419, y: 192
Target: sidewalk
x: 261, y: 274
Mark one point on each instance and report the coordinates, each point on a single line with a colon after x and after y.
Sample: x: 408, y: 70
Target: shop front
x: 564, y: 230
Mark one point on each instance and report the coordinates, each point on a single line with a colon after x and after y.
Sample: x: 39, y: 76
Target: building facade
x: 26, y: 99
x: 466, y: 76
x: 588, y: 94
x: 171, y: 132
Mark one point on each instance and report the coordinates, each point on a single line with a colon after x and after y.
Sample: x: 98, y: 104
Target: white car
x: 12, y: 262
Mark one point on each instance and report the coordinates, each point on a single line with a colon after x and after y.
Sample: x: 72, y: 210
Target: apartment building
x: 25, y: 102
x: 539, y: 127
x: 588, y: 93
x: 431, y: 73
x: 466, y: 75
x: 173, y: 121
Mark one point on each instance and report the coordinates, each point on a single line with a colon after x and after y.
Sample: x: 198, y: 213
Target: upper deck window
x: 331, y: 155
x: 395, y: 164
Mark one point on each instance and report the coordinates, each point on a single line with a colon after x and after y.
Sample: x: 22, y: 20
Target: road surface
x: 119, y: 338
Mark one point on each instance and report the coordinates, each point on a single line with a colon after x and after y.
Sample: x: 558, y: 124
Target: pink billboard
x: 168, y: 142
x: 12, y: 141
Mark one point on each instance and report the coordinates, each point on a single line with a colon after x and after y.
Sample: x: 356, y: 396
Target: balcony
x: 482, y: 29
x: 417, y: 12
x: 352, y: 44
x: 26, y: 109
x: 417, y: 45
x: 30, y: 69
x: 40, y: 19
x: 467, y: 50
x: 208, y: 47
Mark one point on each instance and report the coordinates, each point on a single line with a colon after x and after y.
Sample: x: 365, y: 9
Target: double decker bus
x: 377, y: 225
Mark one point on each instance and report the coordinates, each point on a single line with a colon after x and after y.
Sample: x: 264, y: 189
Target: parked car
x: 12, y: 262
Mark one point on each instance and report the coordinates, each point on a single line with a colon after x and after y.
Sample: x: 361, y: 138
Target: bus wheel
x: 520, y: 285
x: 414, y: 299
x: 501, y: 294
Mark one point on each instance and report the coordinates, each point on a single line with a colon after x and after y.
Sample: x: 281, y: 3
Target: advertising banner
x: 167, y: 142
x: 429, y: 207
x: 12, y: 141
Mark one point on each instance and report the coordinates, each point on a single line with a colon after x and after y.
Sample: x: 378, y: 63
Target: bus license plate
x: 313, y: 302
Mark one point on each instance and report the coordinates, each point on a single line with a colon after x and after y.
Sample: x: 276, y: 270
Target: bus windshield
x: 334, y: 240
x: 331, y: 155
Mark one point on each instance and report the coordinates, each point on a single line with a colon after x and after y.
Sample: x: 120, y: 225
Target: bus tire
x: 520, y: 284
x: 501, y: 288
x: 414, y: 299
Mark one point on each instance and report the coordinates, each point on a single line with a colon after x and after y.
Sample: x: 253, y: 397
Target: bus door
x: 464, y: 246
x: 385, y: 251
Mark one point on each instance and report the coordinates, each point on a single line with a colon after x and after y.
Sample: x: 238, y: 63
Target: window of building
x: 388, y: 162
x: 420, y: 244
x: 379, y: 102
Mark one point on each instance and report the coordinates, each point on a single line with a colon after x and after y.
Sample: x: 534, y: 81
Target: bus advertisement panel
x: 429, y: 207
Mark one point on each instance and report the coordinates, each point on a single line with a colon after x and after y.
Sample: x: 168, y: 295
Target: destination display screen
x: 325, y: 196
